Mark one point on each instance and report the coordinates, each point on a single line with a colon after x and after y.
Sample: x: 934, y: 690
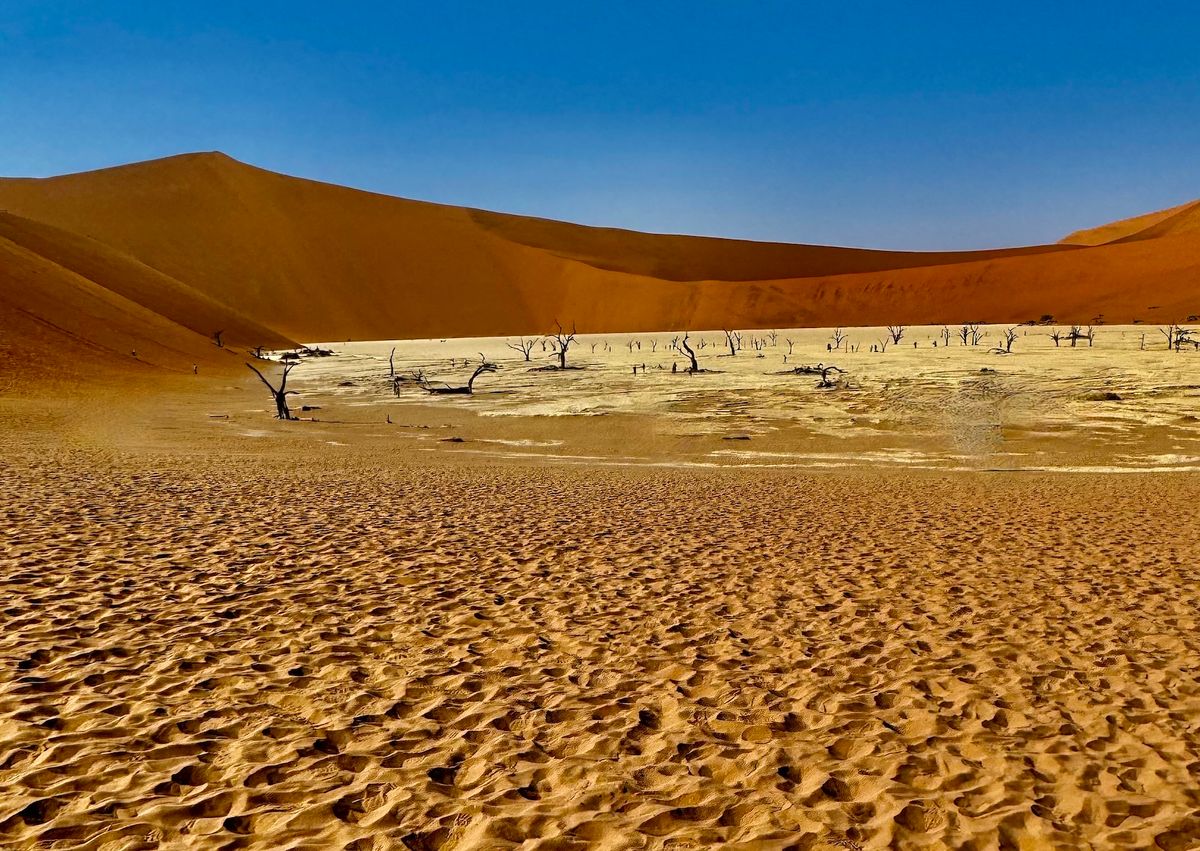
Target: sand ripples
x: 229, y: 655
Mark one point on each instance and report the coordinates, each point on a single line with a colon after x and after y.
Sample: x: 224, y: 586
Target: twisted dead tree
x: 691, y: 355
x: 823, y: 370
x: 839, y: 337
x: 525, y: 347
x: 280, y: 394
x: 897, y: 332
x: 461, y: 390
x: 562, y: 341
x: 734, y: 340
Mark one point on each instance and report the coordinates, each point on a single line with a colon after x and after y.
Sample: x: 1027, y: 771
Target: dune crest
x: 207, y: 242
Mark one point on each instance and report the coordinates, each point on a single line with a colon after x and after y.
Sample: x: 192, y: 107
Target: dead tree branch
x: 280, y: 394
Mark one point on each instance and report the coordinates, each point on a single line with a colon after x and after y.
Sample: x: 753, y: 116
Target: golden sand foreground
x: 334, y: 648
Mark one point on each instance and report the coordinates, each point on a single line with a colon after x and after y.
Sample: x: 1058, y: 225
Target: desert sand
x: 947, y: 602
x: 866, y: 626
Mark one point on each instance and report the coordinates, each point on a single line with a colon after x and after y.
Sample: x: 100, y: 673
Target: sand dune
x: 73, y: 309
x: 1180, y: 219
x: 202, y: 239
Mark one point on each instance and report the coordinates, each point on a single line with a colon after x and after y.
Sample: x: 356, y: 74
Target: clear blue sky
x: 896, y: 125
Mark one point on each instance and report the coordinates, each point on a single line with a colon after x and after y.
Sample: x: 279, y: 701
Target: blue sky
x: 918, y: 125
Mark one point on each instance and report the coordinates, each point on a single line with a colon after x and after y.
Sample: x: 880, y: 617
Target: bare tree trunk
x: 282, y: 411
x: 687, y: 350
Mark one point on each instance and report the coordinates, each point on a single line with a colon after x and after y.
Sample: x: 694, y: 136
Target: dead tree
x: 282, y: 411
x: 563, y: 340
x: 896, y: 332
x: 734, y: 339
x: 826, y: 382
x: 1178, y: 337
x: 392, y: 364
x: 461, y: 390
x: 820, y: 369
x: 839, y: 337
x: 883, y: 344
x: 790, y: 343
x: 774, y: 338
x: 1010, y: 337
x: 1056, y: 336
x: 525, y: 347
x: 964, y: 334
x: 945, y: 334
x: 1078, y: 334
x: 691, y: 355
x: 977, y: 333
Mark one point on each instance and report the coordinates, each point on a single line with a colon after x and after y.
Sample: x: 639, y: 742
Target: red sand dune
x: 157, y: 255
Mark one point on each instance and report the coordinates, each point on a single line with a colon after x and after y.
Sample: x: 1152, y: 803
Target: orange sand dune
x: 70, y: 307
x: 313, y: 261
x: 1179, y: 219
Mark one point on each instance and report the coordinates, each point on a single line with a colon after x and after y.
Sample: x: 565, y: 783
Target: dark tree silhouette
x: 524, y: 346
x: 464, y: 390
x: 691, y: 355
x: 282, y: 412
x: 563, y: 341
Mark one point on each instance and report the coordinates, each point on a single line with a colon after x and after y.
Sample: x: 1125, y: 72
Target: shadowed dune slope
x: 201, y: 237
x: 1181, y: 219
x: 72, y: 308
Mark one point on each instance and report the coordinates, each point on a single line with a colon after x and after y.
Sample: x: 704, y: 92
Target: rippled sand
x: 222, y: 631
